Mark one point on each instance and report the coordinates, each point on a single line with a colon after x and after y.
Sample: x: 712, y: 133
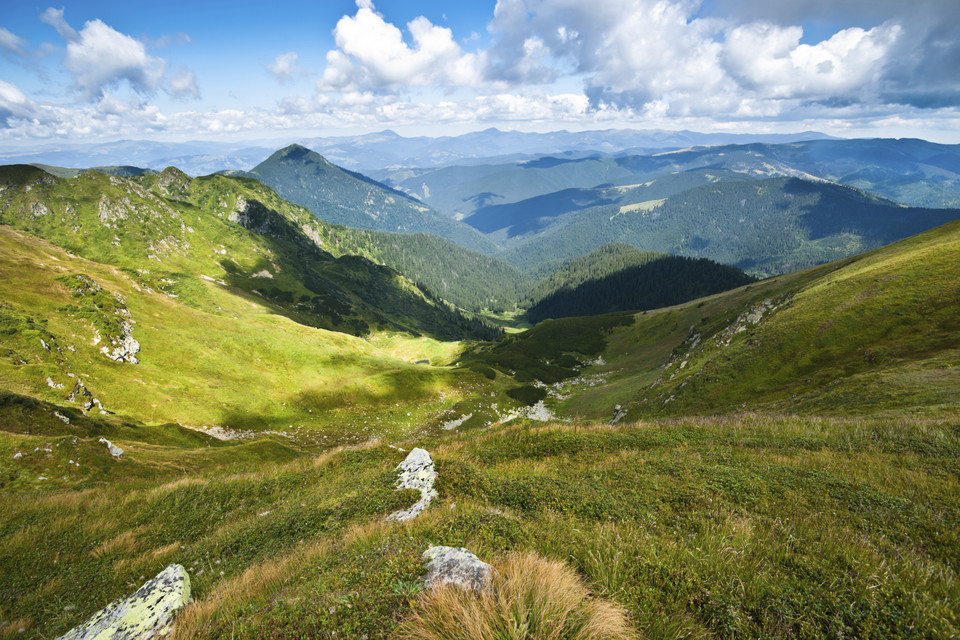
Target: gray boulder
x: 114, y: 450
x: 456, y: 566
x: 146, y: 615
x: 416, y: 472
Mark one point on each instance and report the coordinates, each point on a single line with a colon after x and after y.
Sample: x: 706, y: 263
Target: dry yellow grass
x: 259, y: 581
x: 16, y: 627
x: 530, y: 598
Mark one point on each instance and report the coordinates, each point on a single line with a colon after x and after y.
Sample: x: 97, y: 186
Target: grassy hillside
x: 230, y: 361
x: 740, y: 527
x: 787, y: 467
x: 876, y: 332
x: 173, y: 231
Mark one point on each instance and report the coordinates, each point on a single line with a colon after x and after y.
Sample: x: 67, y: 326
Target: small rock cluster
x: 445, y: 565
x: 619, y: 413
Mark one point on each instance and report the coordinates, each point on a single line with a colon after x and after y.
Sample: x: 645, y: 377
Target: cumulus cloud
x: 284, y: 66
x: 13, y: 104
x: 101, y: 57
x: 771, y: 61
x: 667, y: 57
x: 371, y: 55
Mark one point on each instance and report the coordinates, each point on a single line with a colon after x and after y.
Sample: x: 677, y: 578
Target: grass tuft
x: 530, y: 598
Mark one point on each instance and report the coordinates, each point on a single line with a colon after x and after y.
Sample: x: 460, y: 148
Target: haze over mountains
x: 375, y: 151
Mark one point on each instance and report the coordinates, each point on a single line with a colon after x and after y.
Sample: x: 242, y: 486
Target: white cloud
x: 284, y: 66
x: 101, y: 57
x: 11, y: 42
x: 184, y: 84
x: 659, y: 57
x: 13, y: 104
x: 665, y: 63
x: 54, y: 18
x: 771, y: 61
x: 372, y: 55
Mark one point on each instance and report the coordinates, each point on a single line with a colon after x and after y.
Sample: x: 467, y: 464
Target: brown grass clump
x: 530, y: 598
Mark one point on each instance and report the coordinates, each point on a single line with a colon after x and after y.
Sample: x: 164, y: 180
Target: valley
x: 719, y: 386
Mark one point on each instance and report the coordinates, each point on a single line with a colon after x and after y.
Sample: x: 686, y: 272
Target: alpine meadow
x: 509, y: 320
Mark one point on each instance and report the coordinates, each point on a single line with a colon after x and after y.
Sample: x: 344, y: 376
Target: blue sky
x: 217, y: 70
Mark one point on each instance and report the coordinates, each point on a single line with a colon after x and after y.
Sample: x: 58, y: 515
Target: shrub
x: 527, y: 394
x: 530, y: 598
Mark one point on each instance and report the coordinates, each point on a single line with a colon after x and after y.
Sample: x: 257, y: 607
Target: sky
x: 101, y: 70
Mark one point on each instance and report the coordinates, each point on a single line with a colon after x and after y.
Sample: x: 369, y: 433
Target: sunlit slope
x: 876, y: 332
x: 173, y: 231
x: 235, y: 362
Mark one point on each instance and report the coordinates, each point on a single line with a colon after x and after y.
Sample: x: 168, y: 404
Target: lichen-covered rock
x: 456, y: 566
x: 146, y: 615
x: 416, y: 472
x: 114, y: 450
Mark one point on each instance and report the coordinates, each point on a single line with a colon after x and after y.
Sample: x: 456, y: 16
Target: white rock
x: 115, y: 451
x: 17, y: 455
x: 456, y: 566
x: 145, y: 615
x: 416, y: 472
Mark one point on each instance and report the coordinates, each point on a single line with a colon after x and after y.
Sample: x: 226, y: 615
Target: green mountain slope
x: 172, y: 231
x: 877, y: 332
x: 765, y: 227
x: 470, y: 280
x: 343, y: 197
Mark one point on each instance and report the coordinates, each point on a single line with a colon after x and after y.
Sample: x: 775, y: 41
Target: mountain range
x: 372, y: 151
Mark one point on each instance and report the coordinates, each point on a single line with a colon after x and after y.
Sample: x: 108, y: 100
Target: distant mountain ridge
x: 765, y: 227
x: 374, y: 151
x: 340, y: 196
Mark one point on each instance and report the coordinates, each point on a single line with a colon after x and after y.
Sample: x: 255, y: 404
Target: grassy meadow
x: 741, y: 526
x: 789, y: 463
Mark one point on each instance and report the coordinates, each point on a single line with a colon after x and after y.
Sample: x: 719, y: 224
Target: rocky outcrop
x: 124, y: 347
x: 456, y: 566
x: 416, y: 472
x: 146, y: 615
x: 110, y: 317
x: 619, y: 413
x: 253, y: 215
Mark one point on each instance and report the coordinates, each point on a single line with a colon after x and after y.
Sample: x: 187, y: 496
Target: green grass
x: 804, y: 484
x: 874, y: 333
x: 750, y: 526
x: 234, y: 362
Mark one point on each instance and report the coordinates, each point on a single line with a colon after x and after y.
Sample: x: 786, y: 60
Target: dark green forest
x: 661, y: 282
